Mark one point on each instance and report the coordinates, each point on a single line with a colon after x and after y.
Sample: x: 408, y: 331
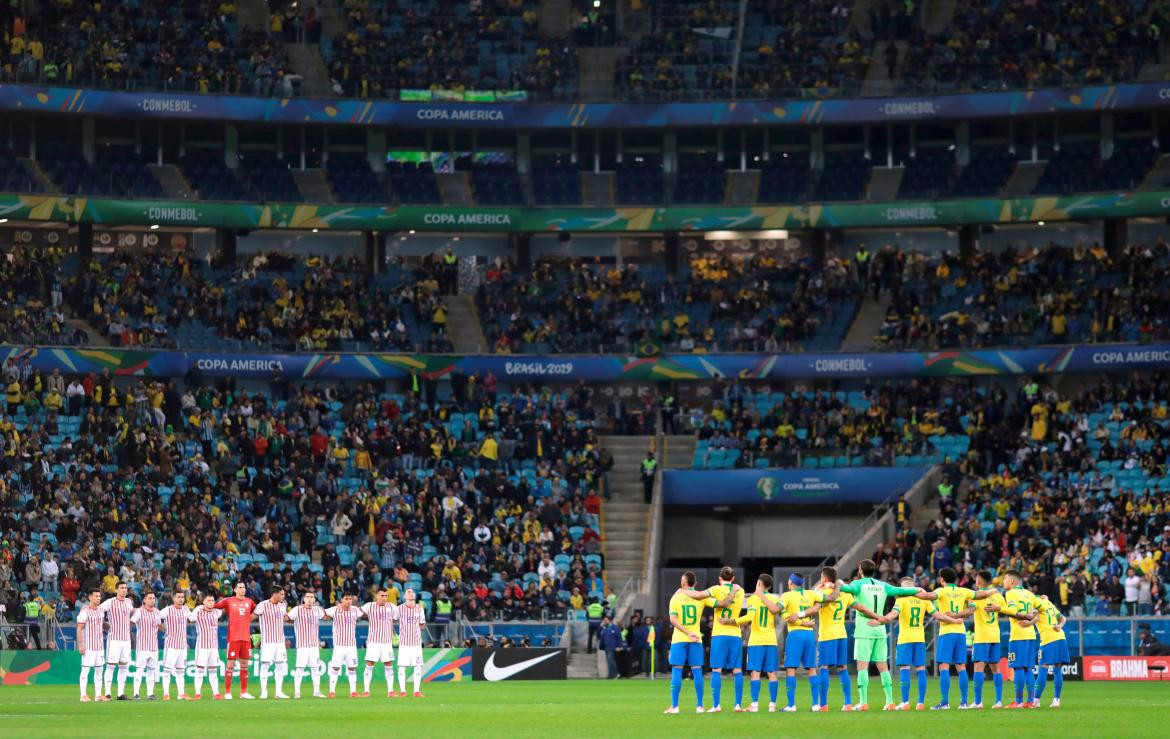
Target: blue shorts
x: 763, y: 658
x: 833, y: 653
x: 911, y: 655
x: 1055, y: 653
x: 1022, y: 654
x: 726, y: 653
x: 951, y: 649
x: 800, y: 650
x: 686, y: 653
x: 986, y: 652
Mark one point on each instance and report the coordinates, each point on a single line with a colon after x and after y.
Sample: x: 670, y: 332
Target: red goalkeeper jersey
x: 239, y: 613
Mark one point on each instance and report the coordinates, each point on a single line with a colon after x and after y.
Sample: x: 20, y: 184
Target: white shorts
x: 273, y: 653
x: 410, y: 656
x: 207, y: 658
x: 175, y: 658
x: 308, y: 657
x: 146, y: 660
x: 379, y: 652
x: 118, y: 652
x: 346, y: 656
x: 93, y: 658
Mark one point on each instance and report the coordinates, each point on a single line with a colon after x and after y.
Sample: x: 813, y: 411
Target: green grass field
x: 597, y: 708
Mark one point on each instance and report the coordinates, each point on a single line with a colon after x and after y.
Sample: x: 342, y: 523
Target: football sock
x: 863, y: 686
x: 697, y: 676
x: 964, y: 684
x: 1057, y: 681
x: 123, y: 673
x: 213, y: 678
x: 367, y: 676
x: 773, y: 690
x: 1021, y: 678
x: 944, y: 685
x: 998, y: 680
x: 846, y: 686
x: 199, y: 680
x: 755, y: 691
x: 84, y: 679
x: 676, y: 678
x: 904, y: 682
x: 738, y: 688
x: 1041, y: 680
x: 979, y: 677
x: 888, y: 686
x: 390, y: 680
x: 790, y: 689
x: 922, y: 686
x: 417, y: 679
x: 716, y: 688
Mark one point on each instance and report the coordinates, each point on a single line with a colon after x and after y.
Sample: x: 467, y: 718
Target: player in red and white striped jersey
x: 379, y: 641
x: 91, y: 644
x: 345, y: 617
x: 206, y: 619
x: 271, y: 613
x: 146, y: 623
x: 306, y: 619
x: 411, y: 619
x: 175, y: 618
x: 118, y: 611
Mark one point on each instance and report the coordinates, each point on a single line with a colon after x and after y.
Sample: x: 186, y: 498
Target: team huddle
x: 817, y: 642
x: 107, y: 652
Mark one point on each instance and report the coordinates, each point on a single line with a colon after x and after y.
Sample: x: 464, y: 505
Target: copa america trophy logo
x: 766, y: 487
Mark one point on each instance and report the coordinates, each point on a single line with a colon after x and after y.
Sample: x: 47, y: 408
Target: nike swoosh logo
x: 493, y: 673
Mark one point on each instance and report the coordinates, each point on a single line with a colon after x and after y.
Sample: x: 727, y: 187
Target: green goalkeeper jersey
x: 872, y: 594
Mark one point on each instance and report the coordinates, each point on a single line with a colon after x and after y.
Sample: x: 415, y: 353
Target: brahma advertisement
x: 1128, y: 669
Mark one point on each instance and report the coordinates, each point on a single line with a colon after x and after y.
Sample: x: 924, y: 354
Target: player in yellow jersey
x: 832, y: 642
x: 726, y: 639
x: 951, y: 647
x: 986, y: 651
x: 686, y: 645
x: 1053, y: 650
x: 762, y: 652
x: 1020, y: 604
x: 800, y: 645
x: 911, y: 614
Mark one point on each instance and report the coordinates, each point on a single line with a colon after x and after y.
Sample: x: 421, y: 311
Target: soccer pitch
x: 572, y: 708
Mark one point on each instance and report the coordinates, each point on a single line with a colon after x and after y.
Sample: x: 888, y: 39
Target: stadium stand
x: 330, y: 488
x: 714, y: 304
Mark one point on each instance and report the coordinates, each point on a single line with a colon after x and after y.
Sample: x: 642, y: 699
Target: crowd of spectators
x: 194, y: 45
x: 267, y: 301
x: 483, y: 45
x: 1013, y: 44
x: 760, y: 302
x: 1052, y: 295
x: 893, y: 423
x: 1067, y: 487
x: 468, y: 492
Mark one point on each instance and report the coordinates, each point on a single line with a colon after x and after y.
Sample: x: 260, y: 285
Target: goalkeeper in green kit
x: 870, y: 643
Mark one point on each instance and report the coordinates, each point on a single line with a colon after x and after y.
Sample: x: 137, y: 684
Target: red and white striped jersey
x: 175, y: 621
x: 381, y: 622
x: 344, y: 625
x: 93, y: 618
x: 206, y: 628
x: 410, y: 623
x: 119, y: 612
x: 271, y: 621
x: 306, y: 623
x: 146, y: 629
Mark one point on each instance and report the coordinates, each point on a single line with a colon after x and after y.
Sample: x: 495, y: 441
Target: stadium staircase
x: 331, y: 18
x: 1159, y: 175
x: 625, y: 517
x: 743, y: 188
x: 597, y: 188
x: 867, y: 324
x: 1024, y: 178
x: 877, y: 79
x: 463, y: 325
x: 597, y: 65
x: 306, y: 60
x: 313, y: 186
x: 172, y: 181
x: 252, y: 14
x: 556, y: 18
x: 455, y: 189
x: 939, y: 15
x: 39, y: 176
x: 883, y: 184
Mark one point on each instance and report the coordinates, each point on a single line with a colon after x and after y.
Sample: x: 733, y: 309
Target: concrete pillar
x: 231, y: 147
x: 818, y: 246
x: 85, y: 241
x: 370, y: 243
x: 522, y: 247
x: 1116, y: 235
x: 671, y: 239
x: 88, y: 143
x: 968, y: 241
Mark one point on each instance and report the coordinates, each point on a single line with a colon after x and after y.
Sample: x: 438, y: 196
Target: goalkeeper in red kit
x: 239, y: 609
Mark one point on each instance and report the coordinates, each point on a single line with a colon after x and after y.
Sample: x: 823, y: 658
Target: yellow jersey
x: 688, y: 611
x: 832, y: 618
x: 795, y: 601
x: 912, y: 615
x: 718, y: 593
x: 763, y: 621
x: 1022, y: 602
x: 1049, y: 619
x: 987, y: 622
x: 952, y: 600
